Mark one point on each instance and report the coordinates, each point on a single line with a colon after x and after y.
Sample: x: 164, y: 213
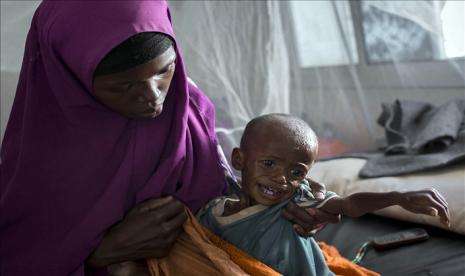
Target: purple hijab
x: 71, y: 168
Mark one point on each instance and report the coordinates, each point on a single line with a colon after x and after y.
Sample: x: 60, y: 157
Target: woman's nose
x: 149, y: 92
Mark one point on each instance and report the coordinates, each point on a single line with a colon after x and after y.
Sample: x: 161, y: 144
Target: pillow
x: 341, y: 176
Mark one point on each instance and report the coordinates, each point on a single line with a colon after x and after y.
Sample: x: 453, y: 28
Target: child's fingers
x: 426, y: 210
x: 438, y: 197
x: 442, y: 206
x: 318, y: 188
x: 441, y: 210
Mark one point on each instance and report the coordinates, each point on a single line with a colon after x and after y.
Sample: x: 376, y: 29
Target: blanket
x: 418, y: 137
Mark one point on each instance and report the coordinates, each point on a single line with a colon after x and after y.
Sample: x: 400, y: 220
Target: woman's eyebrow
x: 123, y: 82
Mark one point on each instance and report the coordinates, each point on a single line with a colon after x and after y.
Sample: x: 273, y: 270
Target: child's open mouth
x: 269, y: 191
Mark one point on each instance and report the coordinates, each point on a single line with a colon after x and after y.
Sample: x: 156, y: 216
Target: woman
x: 102, y: 149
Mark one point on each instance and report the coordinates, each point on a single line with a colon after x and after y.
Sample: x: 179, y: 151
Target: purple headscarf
x: 71, y: 168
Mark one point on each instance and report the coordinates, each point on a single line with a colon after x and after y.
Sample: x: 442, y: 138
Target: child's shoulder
x: 221, y: 206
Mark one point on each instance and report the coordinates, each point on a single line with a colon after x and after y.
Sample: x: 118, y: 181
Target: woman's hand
x: 308, y: 221
x: 148, y: 230
x: 129, y: 268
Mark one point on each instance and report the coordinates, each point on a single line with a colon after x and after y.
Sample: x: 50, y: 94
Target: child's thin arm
x: 428, y: 202
x: 359, y: 204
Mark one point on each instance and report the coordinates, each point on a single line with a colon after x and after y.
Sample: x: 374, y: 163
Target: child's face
x: 272, y: 169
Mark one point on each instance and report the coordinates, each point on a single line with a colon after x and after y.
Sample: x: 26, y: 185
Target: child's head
x: 275, y: 155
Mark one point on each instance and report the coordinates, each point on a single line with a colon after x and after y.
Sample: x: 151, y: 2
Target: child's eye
x: 297, y: 173
x: 268, y: 163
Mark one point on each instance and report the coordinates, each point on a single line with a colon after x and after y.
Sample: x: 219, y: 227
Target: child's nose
x: 279, y: 178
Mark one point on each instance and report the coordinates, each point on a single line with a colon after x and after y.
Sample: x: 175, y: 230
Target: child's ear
x: 237, y: 159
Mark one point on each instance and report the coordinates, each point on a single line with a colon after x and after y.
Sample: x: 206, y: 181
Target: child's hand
x: 428, y: 202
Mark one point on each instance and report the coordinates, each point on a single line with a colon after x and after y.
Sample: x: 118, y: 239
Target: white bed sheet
x: 341, y: 176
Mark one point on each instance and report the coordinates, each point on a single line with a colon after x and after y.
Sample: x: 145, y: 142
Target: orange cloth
x: 197, y: 251
x: 340, y: 265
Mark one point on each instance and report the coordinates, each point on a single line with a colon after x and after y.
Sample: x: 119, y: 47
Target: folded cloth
x: 340, y: 265
x: 418, y: 127
x: 419, y: 136
x: 199, y: 252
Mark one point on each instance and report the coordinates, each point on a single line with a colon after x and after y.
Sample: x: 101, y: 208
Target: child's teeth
x: 268, y: 191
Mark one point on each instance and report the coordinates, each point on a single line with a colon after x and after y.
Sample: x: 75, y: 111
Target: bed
x: 442, y: 254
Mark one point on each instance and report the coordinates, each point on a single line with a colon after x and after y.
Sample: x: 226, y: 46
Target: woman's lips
x: 153, y: 111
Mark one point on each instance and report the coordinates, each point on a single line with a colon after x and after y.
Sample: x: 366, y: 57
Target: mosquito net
x: 331, y: 63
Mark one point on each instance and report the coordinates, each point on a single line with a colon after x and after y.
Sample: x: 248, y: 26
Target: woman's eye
x: 168, y: 69
x: 268, y: 163
x: 120, y: 89
x: 128, y: 86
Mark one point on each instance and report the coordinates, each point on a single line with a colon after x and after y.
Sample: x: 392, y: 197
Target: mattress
x: 442, y: 254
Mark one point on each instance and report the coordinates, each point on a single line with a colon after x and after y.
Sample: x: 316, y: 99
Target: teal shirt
x: 270, y: 238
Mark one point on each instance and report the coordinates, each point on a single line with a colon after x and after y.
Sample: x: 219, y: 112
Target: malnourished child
x: 275, y: 156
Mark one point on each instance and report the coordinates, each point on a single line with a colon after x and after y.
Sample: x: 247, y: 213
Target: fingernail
x: 320, y: 195
x: 434, y: 212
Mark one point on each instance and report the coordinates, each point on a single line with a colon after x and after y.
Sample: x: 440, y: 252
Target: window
x: 453, y: 28
x: 327, y: 27
x: 412, y: 30
x: 388, y: 31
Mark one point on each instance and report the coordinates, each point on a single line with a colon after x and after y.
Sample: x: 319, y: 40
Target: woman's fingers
x: 310, y: 218
x: 323, y: 217
x: 301, y: 231
x: 154, y: 203
x: 174, y: 223
x: 130, y: 268
x: 154, y: 228
x: 298, y: 215
x: 169, y: 210
x: 148, y: 205
x: 318, y: 189
x: 306, y: 224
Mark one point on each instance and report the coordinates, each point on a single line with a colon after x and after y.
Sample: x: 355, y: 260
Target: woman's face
x: 138, y: 92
